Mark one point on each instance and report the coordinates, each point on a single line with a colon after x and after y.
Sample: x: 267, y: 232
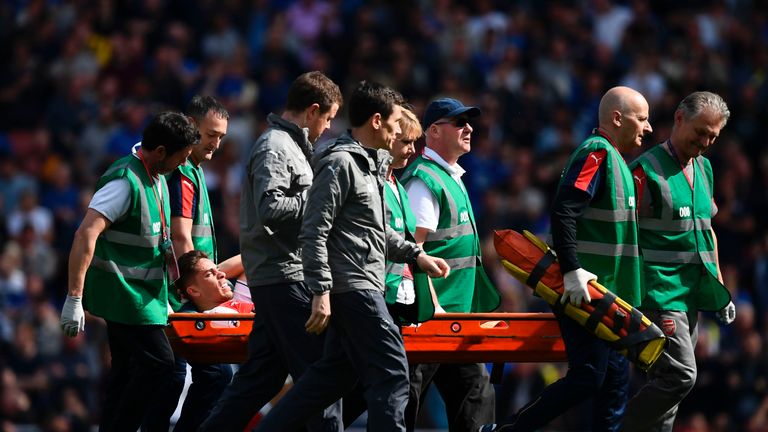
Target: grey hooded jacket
x: 345, y: 237
x: 272, y: 203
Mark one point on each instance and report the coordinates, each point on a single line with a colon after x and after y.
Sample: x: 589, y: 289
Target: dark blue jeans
x: 208, y: 383
x: 277, y: 346
x: 362, y: 343
x: 141, y: 361
x: 594, y: 371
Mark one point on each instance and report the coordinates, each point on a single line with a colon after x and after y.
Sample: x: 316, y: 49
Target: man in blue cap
x: 445, y: 228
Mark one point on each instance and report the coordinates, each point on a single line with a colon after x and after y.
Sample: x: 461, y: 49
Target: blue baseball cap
x: 447, y: 108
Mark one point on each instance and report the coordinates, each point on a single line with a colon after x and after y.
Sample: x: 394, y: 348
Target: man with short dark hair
x: 271, y: 211
x: 192, y: 228
x: 206, y: 287
x: 345, y: 239
x: 121, y: 260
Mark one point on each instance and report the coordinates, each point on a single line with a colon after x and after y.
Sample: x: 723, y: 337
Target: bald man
x: 594, y: 230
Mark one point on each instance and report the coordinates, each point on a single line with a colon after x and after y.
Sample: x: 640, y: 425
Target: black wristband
x: 411, y: 259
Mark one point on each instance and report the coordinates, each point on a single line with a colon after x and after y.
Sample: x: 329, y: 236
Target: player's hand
x: 727, y: 314
x: 433, y: 266
x: 72, y: 316
x: 321, y: 313
x: 576, y: 289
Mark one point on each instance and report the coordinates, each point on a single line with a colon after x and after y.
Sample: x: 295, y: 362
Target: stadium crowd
x: 81, y: 78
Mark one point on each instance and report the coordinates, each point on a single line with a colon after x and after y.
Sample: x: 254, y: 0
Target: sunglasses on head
x: 459, y: 122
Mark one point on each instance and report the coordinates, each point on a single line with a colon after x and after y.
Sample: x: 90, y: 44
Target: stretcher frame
x: 447, y: 338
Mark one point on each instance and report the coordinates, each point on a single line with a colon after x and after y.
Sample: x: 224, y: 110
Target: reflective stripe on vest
x: 626, y: 215
x: 676, y: 225
x: 132, y: 239
x: 461, y: 263
x: 452, y: 232
x: 202, y: 231
x: 156, y: 273
x: 606, y: 249
x: 679, y: 257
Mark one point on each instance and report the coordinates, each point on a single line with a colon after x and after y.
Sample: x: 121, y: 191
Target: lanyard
x: 677, y: 159
x: 157, y: 196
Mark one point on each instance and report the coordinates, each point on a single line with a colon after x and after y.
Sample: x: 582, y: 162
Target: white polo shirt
x: 425, y: 206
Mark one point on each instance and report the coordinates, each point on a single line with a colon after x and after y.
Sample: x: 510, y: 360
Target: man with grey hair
x: 681, y: 271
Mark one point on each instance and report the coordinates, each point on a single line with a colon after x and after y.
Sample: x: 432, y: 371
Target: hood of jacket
x: 377, y: 160
x: 298, y: 134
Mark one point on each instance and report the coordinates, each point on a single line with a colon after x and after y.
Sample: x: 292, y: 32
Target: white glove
x: 576, y: 290
x: 72, y: 316
x: 727, y: 314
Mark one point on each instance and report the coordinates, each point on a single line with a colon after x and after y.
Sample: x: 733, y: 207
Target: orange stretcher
x: 606, y: 316
x: 460, y: 338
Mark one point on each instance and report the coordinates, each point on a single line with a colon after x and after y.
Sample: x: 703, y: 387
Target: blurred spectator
x: 610, y: 21
x: 30, y: 215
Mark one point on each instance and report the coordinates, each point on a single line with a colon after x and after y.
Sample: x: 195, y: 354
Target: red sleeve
x: 588, y: 170
x: 241, y: 307
x: 639, y: 175
x: 187, y: 197
x: 183, y: 198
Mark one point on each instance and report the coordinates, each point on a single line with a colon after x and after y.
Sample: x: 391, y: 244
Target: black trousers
x: 277, y: 346
x: 362, y: 343
x: 465, y: 388
x: 142, y: 360
x: 208, y: 383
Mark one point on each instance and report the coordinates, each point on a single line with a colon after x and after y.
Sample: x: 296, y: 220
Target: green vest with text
x: 467, y: 288
x: 676, y: 237
x: 402, y: 220
x: 203, y: 234
x: 606, y: 233
x: 126, y: 281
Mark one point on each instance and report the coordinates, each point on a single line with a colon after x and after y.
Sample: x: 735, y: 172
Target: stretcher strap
x: 601, y: 309
x: 541, y: 267
x: 637, y: 337
x: 618, y: 321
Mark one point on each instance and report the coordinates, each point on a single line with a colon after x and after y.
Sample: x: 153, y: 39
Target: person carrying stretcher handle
x: 594, y: 230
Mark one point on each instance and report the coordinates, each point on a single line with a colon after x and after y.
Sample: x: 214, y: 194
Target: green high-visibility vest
x: 606, y: 233
x: 676, y: 238
x: 126, y: 281
x: 203, y: 233
x: 402, y: 220
x: 467, y: 288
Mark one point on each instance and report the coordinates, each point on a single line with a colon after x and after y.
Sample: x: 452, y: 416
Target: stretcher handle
x: 489, y: 316
x: 497, y: 316
x: 197, y: 316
